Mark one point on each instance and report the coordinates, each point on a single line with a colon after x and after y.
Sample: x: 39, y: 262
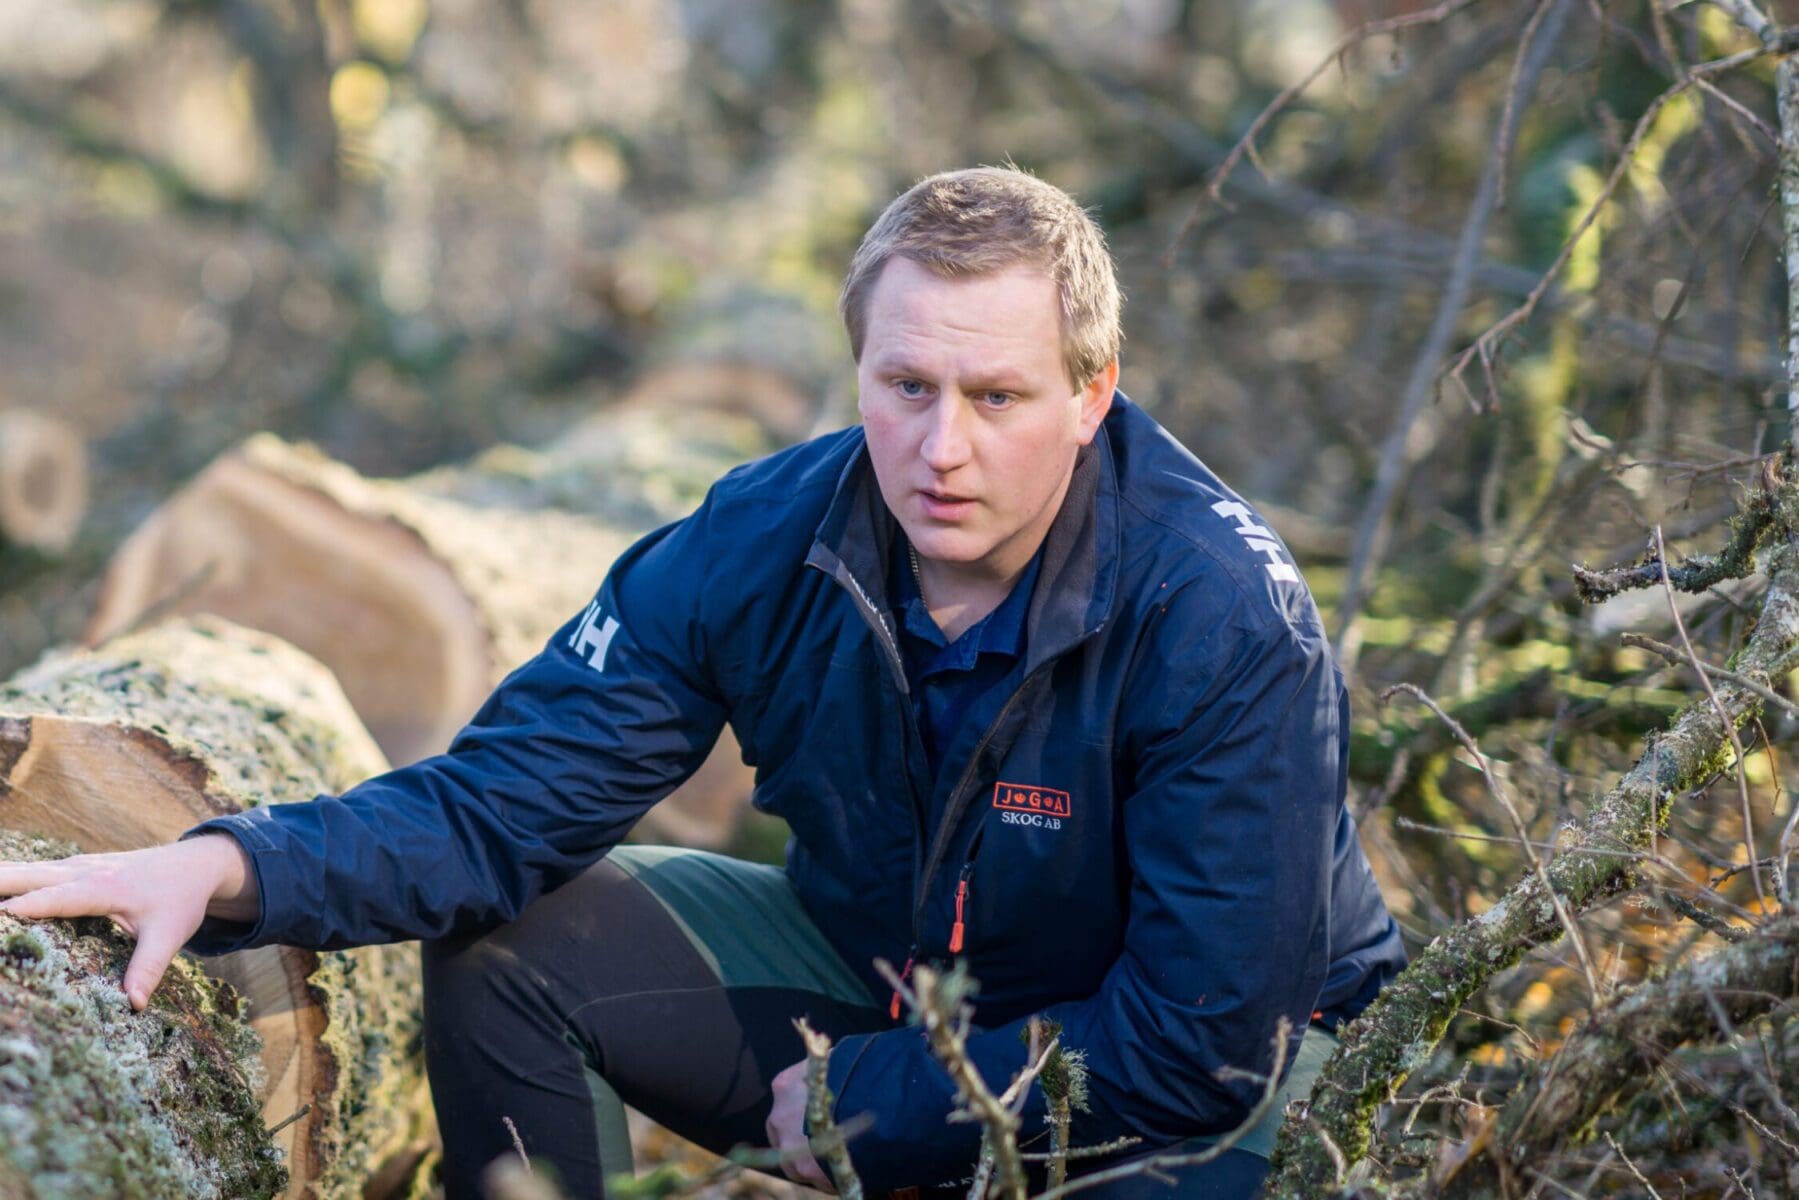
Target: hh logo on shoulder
x: 1025, y: 804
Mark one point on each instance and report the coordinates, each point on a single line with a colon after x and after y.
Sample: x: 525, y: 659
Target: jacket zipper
x: 954, y: 810
x: 958, y: 931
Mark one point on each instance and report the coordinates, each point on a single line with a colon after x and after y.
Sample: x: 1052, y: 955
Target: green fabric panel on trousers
x: 744, y: 919
x: 1314, y: 1048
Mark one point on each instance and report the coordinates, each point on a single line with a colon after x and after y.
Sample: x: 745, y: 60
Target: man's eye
x: 997, y: 399
x: 909, y: 388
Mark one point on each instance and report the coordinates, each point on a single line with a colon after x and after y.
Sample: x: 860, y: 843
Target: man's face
x: 972, y: 421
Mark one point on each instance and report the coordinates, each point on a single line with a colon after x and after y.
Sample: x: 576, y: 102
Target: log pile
x: 420, y: 594
x: 131, y: 744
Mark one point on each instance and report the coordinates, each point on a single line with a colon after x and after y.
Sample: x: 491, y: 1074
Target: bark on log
x: 96, y: 1100
x: 1399, y: 1030
x: 43, y: 481
x: 422, y: 593
x: 131, y: 744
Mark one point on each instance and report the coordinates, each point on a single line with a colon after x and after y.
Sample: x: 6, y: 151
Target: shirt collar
x: 999, y: 632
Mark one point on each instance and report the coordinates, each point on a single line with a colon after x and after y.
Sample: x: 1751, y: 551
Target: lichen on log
x: 1403, y: 1025
x: 131, y: 744
x: 96, y: 1100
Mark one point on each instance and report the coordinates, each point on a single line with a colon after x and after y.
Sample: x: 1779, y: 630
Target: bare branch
x: 1675, y: 656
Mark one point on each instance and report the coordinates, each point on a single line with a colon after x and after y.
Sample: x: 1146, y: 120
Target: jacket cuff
x: 216, y: 935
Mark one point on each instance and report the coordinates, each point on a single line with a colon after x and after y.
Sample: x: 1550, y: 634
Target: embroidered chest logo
x: 1258, y: 538
x: 1024, y: 804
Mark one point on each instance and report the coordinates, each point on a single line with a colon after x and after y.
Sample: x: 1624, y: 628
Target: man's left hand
x: 787, y: 1129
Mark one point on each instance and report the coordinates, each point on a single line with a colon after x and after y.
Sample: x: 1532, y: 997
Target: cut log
x: 422, y: 593
x: 130, y: 745
x: 43, y: 481
x: 96, y: 1100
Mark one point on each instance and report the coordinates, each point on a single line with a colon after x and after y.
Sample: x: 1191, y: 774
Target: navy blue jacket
x: 1152, y: 831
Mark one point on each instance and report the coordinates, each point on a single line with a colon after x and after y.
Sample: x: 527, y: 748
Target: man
x: 1032, y: 688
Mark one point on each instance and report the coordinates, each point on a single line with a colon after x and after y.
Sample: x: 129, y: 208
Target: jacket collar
x: 1076, y: 581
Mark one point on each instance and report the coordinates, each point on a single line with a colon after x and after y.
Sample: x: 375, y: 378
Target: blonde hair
x: 985, y: 219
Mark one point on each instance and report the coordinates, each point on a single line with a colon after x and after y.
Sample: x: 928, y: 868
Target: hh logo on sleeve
x: 1258, y: 538
x: 591, y: 640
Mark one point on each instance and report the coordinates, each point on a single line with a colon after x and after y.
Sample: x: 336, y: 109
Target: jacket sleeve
x: 552, y: 771
x: 1235, y: 783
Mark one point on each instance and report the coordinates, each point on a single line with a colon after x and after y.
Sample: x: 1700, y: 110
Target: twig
x: 518, y: 1144
x: 1373, y: 529
x: 1095, y: 1151
x: 289, y: 1119
x: 1703, y: 919
x: 1282, y: 1033
x: 1730, y: 728
x: 1675, y: 656
x: 1246, y: 145
x: 1511, y: 810
x: 827, y: 1140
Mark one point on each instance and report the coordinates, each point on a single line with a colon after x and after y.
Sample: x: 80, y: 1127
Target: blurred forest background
x: 408, y: 230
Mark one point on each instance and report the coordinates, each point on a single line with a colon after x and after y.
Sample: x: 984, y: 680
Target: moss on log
x: 131, y: 744
x: 1399, y: 1030
x: 96, y: 1100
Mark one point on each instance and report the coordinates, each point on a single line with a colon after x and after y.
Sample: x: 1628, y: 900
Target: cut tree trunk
x: 131, y: 744
x: 96, y: 1100
x: 422, y: 593
x: 43, y: 481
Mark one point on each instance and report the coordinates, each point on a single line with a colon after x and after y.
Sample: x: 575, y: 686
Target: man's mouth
x: 942, y: 506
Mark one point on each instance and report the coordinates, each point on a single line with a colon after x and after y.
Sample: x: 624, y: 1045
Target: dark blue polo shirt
x: 960, y: 682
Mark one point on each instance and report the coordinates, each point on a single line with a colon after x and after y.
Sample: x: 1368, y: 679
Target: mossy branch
x: 827, y: 1139
x: 1748, y: 529
x: 1401, y: 1028
x: 939, y: 1003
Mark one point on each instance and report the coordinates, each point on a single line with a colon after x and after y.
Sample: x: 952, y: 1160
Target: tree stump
x: 131, y: 744
x: 43, y: 481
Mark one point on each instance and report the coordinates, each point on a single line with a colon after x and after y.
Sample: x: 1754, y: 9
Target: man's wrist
x: 234, y: 895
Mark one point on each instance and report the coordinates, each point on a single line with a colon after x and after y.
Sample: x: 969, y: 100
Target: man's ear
x: 1096, y: 400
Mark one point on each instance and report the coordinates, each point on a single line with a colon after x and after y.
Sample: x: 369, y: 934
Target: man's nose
x: 946, y: 445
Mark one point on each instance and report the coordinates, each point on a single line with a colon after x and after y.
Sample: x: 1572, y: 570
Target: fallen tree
x: 421, y: 594
x: 133, y: 743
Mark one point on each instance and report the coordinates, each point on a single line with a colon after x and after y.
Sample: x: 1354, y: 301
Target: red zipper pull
x: 893, y: 1010
x: 959, y: 928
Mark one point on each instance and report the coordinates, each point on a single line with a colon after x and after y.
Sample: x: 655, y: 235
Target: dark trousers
x: 667, y: 980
